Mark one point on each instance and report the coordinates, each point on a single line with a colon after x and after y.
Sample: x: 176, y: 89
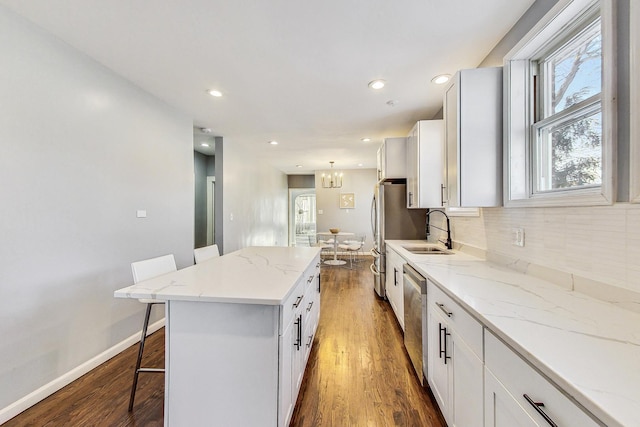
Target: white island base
x: 239, y: 330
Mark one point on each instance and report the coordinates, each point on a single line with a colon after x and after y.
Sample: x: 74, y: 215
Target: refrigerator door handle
x: 374, y: 217
x: 372, y: 267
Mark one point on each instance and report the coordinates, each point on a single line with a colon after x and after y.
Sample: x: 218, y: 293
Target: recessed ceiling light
x: 298, y: 166
x: 204, y: 144
x: 360, y: 164
x: 215, y: 93
x: 366, y: 139
x: 376, y: 84
x: 441, y: 79
x: 273, y: 142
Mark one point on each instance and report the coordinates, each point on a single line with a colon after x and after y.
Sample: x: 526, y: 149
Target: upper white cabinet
x: 472, y: 172
x: 424, y: 164
x: 392, y: 156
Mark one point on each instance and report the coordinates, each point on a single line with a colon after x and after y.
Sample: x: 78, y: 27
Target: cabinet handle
x: 318, y: 282
x: 298, y: 301
x: 441, y: 306
x: 395, y: 276
x: 442, y: 187
x: 298, y: 341
x: 309, y: 341
x: 443, y: 348
x: 410, y: 199
x: 310, y: 279
x: 310, y: 305
x: 538, y: 407
x: 440, y: 339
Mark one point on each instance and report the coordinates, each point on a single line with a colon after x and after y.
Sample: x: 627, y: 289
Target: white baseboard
x: 48, y: 389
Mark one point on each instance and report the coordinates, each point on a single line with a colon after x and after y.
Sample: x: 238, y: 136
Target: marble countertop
x: 588, y: 347
x: 254, y: 275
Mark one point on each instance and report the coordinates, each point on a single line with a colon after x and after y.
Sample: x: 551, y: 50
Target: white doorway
x: 211, y: 216
x: 302, y: 216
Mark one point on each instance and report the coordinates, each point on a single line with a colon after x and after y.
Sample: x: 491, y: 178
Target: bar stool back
x: 203, y: 254
x: 143, y: 270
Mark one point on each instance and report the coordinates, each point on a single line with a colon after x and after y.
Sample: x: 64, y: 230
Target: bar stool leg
x: 140, y: 350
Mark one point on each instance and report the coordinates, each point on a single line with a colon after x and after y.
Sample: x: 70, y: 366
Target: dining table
x: 335, y: 236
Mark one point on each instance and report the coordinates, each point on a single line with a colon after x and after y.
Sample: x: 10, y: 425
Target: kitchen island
x: 536, y: 333
x: 239, y: 329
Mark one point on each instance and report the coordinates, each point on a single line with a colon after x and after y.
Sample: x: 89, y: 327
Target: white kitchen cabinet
x: 394, y: 284
x: 454, y: 362
x: 501, y: 409
x: 517, y: 395
x: 472, y: 172
x: 392, y: 159
x: 240, y: 363
x: 424, y: 164
x: 303, y: 311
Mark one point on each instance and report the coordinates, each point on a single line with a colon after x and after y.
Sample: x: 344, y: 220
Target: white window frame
x: 634, y: 113
x: 519, y: 115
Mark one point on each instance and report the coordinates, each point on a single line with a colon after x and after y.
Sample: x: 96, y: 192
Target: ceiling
x: 291, y: 71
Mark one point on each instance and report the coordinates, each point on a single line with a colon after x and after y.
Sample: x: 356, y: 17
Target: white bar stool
x: 203, y: 254
x: 143, y: 270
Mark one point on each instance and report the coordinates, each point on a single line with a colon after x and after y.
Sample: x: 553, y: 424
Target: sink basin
x: 427, y: 250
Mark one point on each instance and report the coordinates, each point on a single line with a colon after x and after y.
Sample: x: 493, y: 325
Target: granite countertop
x: 588, y: 347
x: 254, y: 275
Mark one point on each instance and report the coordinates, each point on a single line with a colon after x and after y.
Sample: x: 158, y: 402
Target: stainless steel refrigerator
x: 391, y: 220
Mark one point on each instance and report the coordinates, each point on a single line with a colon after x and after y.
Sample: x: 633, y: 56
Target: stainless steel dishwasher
x: 415, y: 319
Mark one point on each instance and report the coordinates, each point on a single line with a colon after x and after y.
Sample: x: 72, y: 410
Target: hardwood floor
x: 358, y: 372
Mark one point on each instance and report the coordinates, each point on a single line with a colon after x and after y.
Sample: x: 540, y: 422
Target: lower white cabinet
x: 517, y: 395
x: 454, y: 361
x: 303, y: 311
x: 394, y: 284
x: 232, y: 364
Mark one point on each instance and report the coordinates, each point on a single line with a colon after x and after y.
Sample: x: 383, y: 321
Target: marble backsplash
x: 593, y: 250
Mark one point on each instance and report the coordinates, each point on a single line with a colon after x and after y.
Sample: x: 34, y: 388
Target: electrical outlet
x: 517, y: 235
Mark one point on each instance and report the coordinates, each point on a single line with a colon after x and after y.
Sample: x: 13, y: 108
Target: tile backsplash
x: 595, y: 250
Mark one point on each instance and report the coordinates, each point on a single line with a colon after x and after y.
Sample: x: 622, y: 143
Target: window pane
x: 570, y: 154
x: 575, y: 70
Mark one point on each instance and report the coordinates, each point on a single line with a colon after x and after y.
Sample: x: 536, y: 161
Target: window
x: 560, y: 110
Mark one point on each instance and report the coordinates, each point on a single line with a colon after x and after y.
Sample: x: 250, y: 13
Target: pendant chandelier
x: 332, y: 179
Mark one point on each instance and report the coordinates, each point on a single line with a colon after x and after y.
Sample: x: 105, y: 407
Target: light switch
x: 141, y: 213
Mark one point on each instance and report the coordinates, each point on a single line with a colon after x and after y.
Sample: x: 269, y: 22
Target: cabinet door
x: 412, y: 168
x: 467, y: 383
x: 500, y: 408
x: 286, y: 378
x: 437, y: 370
x: 451, y: 145
x: 394, y: 285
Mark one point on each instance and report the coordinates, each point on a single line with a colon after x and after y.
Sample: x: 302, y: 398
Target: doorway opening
x: 302, y: 216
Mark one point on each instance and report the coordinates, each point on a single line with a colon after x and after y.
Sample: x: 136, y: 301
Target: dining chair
x: 206, y: 253
x: 353, y: 247
x: 143, y: 270
x: 326, y: 247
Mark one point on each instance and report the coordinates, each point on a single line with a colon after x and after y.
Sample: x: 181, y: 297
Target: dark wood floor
x: 358, y: 372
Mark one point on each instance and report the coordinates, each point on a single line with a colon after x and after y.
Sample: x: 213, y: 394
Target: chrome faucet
x: 448, y: 243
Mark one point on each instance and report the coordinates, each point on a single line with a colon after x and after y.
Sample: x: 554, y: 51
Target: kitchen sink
x: 427, y: 250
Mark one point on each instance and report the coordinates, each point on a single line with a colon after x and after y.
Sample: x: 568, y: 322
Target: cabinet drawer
x: 468, y: 328
x: 293, y: 304
x: 519, y: 378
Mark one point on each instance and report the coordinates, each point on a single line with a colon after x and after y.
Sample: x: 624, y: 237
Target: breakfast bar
x: 239, y: 329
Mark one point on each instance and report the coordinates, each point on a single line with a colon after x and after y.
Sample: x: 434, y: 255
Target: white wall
x: 358, y: 220
x: 81, y: 150
x: 256, y: 195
